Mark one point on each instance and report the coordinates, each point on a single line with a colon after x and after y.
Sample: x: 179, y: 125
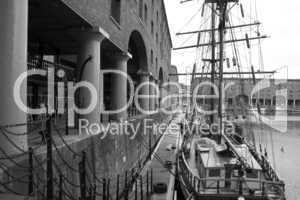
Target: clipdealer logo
x: 135, y: 96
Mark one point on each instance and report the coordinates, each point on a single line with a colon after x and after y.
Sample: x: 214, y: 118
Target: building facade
x: 269, y: 93
x: 82, y: 39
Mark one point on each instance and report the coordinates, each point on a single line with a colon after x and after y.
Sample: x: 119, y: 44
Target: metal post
x: 141, y: 184
x: 118, y: 179
x: 147, y: 191
x: 132, y: 174
x: 82, y: 176
x: 126, y: 188
x: 60, y: 192
x: 30, y: 177
x: 67, y: 111
x: 104, y: 189
x: 150, y: 146
x: 90, y: 197
x: 194, y: 181
x: 240, y: 187
x: 151, y: 180
x: 125, y: 178
x: 108, y: 189
x: 136, y: 191
x: 49, y: 160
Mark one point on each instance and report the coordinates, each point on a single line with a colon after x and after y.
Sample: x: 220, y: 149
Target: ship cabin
x: 219, y: 168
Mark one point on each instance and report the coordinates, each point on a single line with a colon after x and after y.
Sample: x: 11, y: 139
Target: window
x: 290, y: 102
x: 268, y: 102
x: 116, y: 10
x: 274, y: 101
x: 152, y: 27
x: 141, y: 9
x: 151, y: 57
x: 156, y: 38
x: 252, y: 174
x: 261, y: 101
x: 230, y: 101
x: 214, y: 173
x: 145, y: 13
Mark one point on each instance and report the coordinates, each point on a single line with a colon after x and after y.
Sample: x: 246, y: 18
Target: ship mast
x: 218, y: 13
x: 222, y: 7
x: 213, y: 52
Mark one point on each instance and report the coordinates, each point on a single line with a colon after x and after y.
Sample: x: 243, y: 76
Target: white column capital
x: 121, y: 56
x: 142, y: 72
x: 83, y: 35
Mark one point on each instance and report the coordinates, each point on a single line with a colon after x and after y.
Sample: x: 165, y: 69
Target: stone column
x: 152, y: 91
x: 144, y: 77
x: 119, y: 85
x: 161, y: 95
x: 90, y: 43
x: 13, y: 62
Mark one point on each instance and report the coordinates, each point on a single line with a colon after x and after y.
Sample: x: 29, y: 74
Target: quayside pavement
x: 161, y: 169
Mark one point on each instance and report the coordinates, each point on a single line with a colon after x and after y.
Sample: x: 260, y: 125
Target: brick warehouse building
x: 273, y: 94
x: 82, y: 38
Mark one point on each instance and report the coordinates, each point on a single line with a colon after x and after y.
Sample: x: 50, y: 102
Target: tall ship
x: 220, y: 159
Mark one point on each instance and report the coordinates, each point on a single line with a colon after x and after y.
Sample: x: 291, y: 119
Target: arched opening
x: 137, y: 64
x: 242, y: 100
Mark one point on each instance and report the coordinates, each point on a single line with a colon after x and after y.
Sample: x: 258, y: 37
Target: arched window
x: 145, y: 13
x: 152, y: 27
x: 141, y: 9
x: 115, y: 10
x: 156, y: 64
x: 151, y: 57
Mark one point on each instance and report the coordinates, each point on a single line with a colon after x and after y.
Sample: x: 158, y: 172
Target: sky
x: 280, y: 20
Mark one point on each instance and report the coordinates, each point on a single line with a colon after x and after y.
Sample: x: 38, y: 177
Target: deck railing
x: 201, y: 186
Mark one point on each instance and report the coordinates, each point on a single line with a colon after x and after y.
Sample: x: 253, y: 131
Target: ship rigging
x: 226, y: 165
